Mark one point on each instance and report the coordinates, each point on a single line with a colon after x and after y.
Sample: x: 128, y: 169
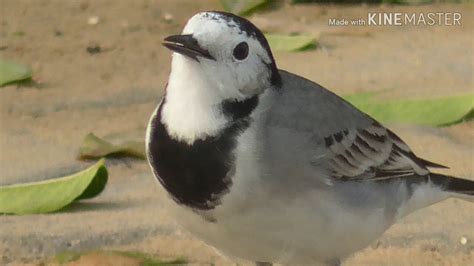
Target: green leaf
x: 408, y: 2
x: 11, y: 72
x: 143, y: 258
x: 66, y: 257
x: 95, y: 147
x: 243, y: 7
x: 149, y: 260
x: 53, y: 194
x: 433, y: 112
x: 290, y: 43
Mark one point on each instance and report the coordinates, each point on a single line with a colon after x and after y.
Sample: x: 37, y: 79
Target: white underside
x: 309, y: 230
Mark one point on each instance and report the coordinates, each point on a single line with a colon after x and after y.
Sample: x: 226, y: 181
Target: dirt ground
x: 114, y: 92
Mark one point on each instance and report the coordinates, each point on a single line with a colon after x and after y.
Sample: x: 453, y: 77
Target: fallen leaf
x: 434, y: 112
x: 290, y: 43
x: 95, y: 147
x: 243, y: 7
x: 408, y: 2
x: 53, y: 194
x: 12, y: 72
x: 114, y: 257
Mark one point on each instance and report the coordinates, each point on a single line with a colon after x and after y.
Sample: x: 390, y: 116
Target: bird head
x: 228, y: 52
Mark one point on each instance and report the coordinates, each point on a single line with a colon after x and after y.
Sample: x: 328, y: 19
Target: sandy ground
x: 114, y: 92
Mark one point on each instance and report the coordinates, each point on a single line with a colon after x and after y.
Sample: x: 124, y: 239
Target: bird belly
x: 307, y: 230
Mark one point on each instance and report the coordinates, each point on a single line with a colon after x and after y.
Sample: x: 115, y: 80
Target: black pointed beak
x: 186, y: 45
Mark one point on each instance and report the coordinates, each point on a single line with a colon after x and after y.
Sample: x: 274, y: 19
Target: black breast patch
x: 196, y: 175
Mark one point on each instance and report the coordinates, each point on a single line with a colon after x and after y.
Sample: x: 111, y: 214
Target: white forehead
x: 216, y: 30
x: 211, y: 22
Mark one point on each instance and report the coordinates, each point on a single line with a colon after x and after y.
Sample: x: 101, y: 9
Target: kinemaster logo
x: 401, y: 19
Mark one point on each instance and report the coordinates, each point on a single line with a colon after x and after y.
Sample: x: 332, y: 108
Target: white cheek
x: 253, y: 76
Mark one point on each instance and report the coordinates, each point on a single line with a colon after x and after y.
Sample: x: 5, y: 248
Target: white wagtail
x: 268, y: 166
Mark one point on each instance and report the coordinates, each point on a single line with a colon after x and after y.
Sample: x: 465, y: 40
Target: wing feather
x: 372, y: 153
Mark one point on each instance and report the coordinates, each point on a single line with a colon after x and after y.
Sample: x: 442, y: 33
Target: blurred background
x: 81, y: 78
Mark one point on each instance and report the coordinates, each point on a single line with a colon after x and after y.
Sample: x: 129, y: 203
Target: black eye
x: 241, y: 51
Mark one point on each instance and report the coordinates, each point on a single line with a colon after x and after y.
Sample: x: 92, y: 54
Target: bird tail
x: 457, y: 187
x: 434, y: 188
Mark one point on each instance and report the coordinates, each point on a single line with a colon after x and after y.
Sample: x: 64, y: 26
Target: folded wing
x: 372, y: 153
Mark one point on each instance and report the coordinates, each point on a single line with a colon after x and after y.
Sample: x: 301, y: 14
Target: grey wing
x: 345, y: 142
x: 371, y: 153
